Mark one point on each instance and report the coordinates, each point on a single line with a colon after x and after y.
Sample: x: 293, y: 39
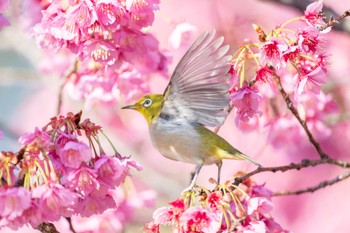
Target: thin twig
x: 316, y: 187
x: 65, y: 81
x: 60, y: 98
x: 293, y: 166
x: 69, y: 220
x: 295, y: 112
x: 332, y: 22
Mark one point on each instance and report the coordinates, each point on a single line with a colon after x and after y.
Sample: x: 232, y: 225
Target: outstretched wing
x: 198, y: 89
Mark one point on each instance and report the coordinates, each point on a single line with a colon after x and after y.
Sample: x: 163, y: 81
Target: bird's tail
x: 246, y: 157
x: 236, y: 154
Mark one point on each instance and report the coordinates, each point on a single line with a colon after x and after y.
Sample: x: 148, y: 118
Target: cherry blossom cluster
x: 101, y: 47
x: 62, y: 170
x: 295, y: 58
x: 228, y: 208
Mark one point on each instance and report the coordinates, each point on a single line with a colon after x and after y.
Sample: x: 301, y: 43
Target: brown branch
x: 45, y: 227
x: 295, y: 112
x: 69, y: 220
x: 317, y: 187
x: 332, y: 21
x: 293, y: 166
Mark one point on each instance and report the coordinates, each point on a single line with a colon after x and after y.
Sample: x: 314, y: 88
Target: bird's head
x: 149, y: 106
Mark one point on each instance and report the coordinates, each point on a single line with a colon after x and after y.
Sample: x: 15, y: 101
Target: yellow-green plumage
x: 219, y: 147
x: 195, y: 97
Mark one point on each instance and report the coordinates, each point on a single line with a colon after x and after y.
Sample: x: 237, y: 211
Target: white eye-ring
x: 147, y: 103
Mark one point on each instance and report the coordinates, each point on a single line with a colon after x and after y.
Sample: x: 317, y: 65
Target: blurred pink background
x: 29, y: 98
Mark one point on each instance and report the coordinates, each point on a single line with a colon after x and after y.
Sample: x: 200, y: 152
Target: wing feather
x: 198, y: 89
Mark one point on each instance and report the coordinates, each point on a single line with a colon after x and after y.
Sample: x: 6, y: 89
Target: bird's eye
x: 147, y: 103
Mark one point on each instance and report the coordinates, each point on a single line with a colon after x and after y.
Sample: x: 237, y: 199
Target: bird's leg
x: 219, y: 164
x: 194, y: 179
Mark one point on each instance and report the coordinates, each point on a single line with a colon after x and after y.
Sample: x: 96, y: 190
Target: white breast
x: 176, y: 140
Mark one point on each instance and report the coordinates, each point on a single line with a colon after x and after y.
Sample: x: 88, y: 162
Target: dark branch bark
x: 332, y: 22
x: 69, y: 220
x: 316, y: 187
x: 291, y: 107
x: 47, y: 228
x: 293, y: 166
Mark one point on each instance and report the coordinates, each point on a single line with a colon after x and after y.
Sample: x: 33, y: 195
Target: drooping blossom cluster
x: 227, y: 208
x: 297, y: 58
x: 62, y: 170
x: 102, y: 47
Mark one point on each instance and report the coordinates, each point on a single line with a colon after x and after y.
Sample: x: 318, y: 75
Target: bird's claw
x: 188, y: 191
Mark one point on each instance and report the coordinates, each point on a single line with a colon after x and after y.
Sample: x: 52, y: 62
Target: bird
x: 196, y: 97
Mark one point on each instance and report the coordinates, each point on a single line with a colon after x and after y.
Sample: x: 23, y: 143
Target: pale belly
x: 179, y: 142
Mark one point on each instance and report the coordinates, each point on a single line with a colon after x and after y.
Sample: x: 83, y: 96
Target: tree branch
x: 293, y: 166
x: 69, y: 220
x: 45, y: 227
x: 332, y: 21
x: 317, y: 187
x: 295, y: 112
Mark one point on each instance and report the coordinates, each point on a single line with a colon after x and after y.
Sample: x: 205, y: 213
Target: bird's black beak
x: 129, y: 107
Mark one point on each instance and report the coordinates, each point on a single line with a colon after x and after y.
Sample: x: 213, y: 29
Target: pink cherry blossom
x: 218, y: 211
x: 246, y: 100
x: 165, y: 215
x: 264, y: 74
x: 13, y: 201
x: 110, y: 170
x: 83, y: 180
x: 54, y: 200
x: 115, y: 56
x: 110, y: 12
x: 100, y: 51
x: 73, y: 153
x: 39, y: 139
x: 72, y: 23
x: 31, y: 215
x: 260, y: 191
x: 313, y: 15
x: 271, y: 53
x: 214, y: 201
x: 198, y: 219
x: 141, y: 12
x: 91, y: 205
x: 254, y: 227
x: 291, y: 53
x: 259, y: 204
x: 64, y: 179
x: 151, y: 227
x: 309, y: 40
x: 312, y: 81
x: 1, y: 135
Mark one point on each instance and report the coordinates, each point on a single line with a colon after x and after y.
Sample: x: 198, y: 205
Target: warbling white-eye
x: 196, y: 96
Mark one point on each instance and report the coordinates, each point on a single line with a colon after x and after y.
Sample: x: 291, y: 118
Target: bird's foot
x: 188, y: 191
